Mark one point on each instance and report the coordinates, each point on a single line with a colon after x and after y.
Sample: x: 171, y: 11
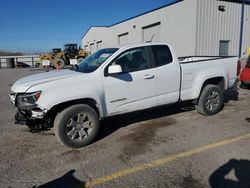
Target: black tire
x: 46, y: 68
x: 210, y: 101
x: 70, y: 126
x: 60, y: 63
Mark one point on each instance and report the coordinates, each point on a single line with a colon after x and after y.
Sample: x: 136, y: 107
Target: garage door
x: 92, y: 48
x: 99, y: 45
x: 151, y: 33
x: 86, y: 47
x: 123, y: 38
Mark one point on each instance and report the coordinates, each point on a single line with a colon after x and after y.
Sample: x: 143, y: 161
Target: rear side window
x: 162, y: 55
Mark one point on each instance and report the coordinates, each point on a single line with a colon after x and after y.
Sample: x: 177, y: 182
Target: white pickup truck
x: 118, y: 80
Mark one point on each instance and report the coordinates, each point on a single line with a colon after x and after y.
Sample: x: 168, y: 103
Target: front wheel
x: 76, y: 126
x: 210, y: 101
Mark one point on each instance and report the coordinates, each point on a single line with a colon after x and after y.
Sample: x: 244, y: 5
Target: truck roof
x: 134, y: 45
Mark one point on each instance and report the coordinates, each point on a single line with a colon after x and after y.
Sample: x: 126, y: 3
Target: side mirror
x: 114, y: 69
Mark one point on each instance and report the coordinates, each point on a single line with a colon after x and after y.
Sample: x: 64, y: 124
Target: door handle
x: 148, y: 76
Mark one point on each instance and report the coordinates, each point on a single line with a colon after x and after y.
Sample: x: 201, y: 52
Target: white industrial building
x: 194, y: 27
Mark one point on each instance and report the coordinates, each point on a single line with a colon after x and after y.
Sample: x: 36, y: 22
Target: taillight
x: 238, y: 67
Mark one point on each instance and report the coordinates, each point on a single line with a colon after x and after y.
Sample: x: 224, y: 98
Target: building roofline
x: 237, y: 1
x: 91, y: 28
x: 169, y: 4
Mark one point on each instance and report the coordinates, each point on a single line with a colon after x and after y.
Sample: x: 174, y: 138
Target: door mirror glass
x: 114, y: 69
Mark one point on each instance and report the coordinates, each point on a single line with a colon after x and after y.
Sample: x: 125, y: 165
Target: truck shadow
x: 112, y: 124
x: 67, y: 180
x: 223, y: 176
x: 247, y: 119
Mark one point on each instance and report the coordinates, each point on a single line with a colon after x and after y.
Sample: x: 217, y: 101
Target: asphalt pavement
x: 171, y: 146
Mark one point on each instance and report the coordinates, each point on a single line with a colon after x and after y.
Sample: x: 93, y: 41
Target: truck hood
x: 23, y: 84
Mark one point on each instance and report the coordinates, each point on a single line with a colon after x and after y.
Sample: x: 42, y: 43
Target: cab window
x: 132, y: 60
x: 162, y: 55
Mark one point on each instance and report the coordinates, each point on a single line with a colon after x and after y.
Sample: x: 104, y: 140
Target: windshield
x: 91, y: 63
x: 55, y: 51
x: 70, y: 47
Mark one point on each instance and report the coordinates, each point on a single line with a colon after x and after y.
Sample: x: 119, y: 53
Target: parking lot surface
x: 170, y: 146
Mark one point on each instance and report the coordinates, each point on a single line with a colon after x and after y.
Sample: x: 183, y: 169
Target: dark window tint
x: 162, y: 55
x: 132, y: 60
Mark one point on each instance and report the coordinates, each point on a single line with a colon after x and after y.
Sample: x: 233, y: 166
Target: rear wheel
x: 210, y: 101
x: 76, y: 126
x: 59, y: 63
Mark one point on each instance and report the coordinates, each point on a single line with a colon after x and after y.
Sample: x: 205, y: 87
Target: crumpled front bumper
x: 27, y: 113
x: 22, y: 117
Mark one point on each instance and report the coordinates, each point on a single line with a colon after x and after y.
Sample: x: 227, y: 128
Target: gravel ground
x: 39, y: 160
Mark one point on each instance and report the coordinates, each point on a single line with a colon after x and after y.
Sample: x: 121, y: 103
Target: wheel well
x: 219, y: 81
x: 59, y: 107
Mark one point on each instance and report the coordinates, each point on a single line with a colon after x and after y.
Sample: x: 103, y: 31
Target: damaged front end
x: 29, y: 112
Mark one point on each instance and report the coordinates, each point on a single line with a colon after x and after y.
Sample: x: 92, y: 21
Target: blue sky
x: 38, y: 26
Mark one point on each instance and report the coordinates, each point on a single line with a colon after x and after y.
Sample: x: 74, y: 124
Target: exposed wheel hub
x: 213, y: 100
x: 79, y: 126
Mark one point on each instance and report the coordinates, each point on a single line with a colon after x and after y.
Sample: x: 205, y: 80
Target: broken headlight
x: 28, y: 99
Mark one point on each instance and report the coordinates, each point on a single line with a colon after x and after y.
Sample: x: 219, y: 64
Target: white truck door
x: 167, y: 73
x: 135, y: 87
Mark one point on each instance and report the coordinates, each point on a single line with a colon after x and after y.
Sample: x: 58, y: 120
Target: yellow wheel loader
x: 59, y: 58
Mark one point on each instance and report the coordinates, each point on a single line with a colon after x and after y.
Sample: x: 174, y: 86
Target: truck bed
x: 196, y: 69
